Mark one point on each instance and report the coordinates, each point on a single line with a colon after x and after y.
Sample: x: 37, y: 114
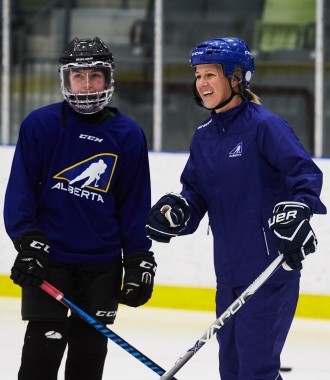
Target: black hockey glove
x: 167, y: 218
x: 31, y: 263
x: 140, y: 271
x: 290, y: 223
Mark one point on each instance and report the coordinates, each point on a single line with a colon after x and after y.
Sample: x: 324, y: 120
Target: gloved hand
x: 31, y: 263
x: 140, y: 271
x: 167, y: 218
x: 290, y: 223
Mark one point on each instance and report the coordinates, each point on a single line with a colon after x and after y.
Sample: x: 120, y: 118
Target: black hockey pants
x: 44, y: 346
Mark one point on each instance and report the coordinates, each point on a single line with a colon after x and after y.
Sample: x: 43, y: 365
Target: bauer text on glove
x: 31, y: 264
x: 140, y: 270
x: 290, y: 224
x: 167, y: 218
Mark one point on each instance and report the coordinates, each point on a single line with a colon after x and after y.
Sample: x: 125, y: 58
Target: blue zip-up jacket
x: 243, y: 162
x: 85, y: 185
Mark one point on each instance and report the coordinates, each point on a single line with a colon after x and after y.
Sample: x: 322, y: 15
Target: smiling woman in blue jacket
x: 259, y: 186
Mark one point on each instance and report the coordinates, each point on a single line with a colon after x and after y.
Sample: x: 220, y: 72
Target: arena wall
x: 185, y: 276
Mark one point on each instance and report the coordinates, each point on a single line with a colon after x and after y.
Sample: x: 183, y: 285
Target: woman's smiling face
x: 212, y: 85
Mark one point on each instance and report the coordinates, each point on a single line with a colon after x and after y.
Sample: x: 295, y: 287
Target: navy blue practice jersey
x: 85, y: 184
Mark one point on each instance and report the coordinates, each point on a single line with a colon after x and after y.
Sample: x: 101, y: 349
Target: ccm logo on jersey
x: 38, y: 245
x: 283, y: 217
x: 92, y: 138
x: 102, y: 313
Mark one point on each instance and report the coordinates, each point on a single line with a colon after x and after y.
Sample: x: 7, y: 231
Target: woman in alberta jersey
x: 75, y: 207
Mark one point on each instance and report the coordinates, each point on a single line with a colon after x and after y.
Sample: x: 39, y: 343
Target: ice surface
x: 164, y: 335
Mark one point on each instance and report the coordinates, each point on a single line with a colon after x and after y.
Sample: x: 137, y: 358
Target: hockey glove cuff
x: 167, y: 218
x: 31, y: 264
x: 138, y: 283
x: 290, y: 224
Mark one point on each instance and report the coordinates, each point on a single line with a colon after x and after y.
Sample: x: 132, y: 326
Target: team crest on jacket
x: 88, y: 178
x: 237, y: 151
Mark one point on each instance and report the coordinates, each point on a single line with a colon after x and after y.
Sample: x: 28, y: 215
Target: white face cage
x: 87, y: 102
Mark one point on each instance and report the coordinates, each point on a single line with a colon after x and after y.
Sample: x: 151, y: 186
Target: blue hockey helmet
x: 229, y: 52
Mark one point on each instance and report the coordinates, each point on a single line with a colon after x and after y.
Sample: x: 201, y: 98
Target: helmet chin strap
x: 225, y: 102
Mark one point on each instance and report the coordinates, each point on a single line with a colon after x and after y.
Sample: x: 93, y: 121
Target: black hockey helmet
x: 87, y: 54
x: 86, y: 50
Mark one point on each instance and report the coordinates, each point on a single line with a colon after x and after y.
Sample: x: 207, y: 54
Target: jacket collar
x: 224, y: 119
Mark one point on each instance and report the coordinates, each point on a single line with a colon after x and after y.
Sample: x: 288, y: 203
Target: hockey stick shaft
x: 59, y: 296
x: 224, y: 317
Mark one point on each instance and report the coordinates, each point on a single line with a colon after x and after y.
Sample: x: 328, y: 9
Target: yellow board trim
x: 201, y: 299
x: 8, y: 288
x: 186, y: 298
x: 313, y: 306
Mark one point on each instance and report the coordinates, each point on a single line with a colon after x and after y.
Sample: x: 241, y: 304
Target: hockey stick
x: 59, y: 296
x: 224, y: 317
